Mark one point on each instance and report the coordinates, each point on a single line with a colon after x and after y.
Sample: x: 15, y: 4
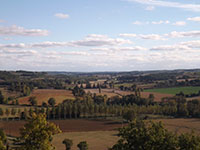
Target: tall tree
x: 83, y: 145
x: 68, y: 143
x: 2, y: 98
x: 52, y: 101
x: 32, y: 100
x: 37, y: 133
x: 140, y: 136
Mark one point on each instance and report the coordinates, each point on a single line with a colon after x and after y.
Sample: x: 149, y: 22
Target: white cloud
x: 170, y: 48
x: 21, y: 52
x: 61, y: 15
x: 150, y: 8
x: 192, y: 44
x: 187, y: 46
x: 179, y: 23
x: 197, y: 19
x: 161, y: 22
x: 143, y: 36
x: 151, y: 37
x: 90, y: 41
x: 190, y: 7
x: 100, y: 40
x: 173, y: 34
x: 75, y: 53
x: 136, y: 48
x: 34, y: 45
x: 152, y: 22
x: 48, y: 44
x: 11, y: 46
x: 20, y: 31
x: 176, y: 34
x: 128, y: 35
x: 137, y: 23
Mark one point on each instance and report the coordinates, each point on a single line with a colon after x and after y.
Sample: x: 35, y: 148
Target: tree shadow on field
x: 113, y: 123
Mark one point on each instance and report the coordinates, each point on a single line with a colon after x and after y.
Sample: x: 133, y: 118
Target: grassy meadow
x: 175, y: 90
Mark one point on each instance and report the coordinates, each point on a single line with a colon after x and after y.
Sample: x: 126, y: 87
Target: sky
x: 99, y: 35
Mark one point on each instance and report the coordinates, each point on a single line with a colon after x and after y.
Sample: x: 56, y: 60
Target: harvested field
x: 157, y: 96
x: 84, y: 125
x: 182, y: 125
x: 43, y: 95
x: 71, y: 125
x: 97, y: 140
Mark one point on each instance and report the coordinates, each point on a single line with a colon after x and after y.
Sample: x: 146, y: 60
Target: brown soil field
x: 71, y: 125
x: 43, y: 95
x: 84, y: 125
x: 110, y: 93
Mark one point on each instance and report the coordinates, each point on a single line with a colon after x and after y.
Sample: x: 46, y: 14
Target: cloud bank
x: 20, y: 31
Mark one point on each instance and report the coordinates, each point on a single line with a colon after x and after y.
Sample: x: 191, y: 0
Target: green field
x: 175, y: 90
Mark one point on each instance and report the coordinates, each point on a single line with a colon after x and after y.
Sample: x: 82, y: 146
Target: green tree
x: 68, y: 143
x: 99, y: 86
x: 3, y: 136
x: 1, y: 112
x: 44, y: 104
x: 32, y: 100
x: 30, y: 112
x: 37, y: 133
x: 151, y: 98
x: 139, y: 135
x: 13, y: 111
x: 129, y: 115
x: 78, y: 92
x: 189, y: 141
x: 2, y: 145
x: 83, y: 145
x: 52, y: 101
x: 17, y: 102
x: 7, y: 112
x: 3, y: 140
x: 2, y: 98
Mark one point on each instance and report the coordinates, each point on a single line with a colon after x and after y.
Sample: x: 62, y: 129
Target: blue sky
x: 99, y: 35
